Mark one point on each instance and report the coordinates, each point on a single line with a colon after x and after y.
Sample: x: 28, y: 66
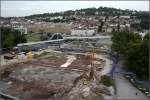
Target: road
x: 125, y: 90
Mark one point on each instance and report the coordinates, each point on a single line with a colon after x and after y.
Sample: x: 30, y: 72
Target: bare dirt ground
x: 33, y: 82
x: 43, y: 79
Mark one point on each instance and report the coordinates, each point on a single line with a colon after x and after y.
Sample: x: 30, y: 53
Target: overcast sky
x: 24, y: 8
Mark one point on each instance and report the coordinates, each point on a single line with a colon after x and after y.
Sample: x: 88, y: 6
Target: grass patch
x: 50, y: 56
x: 33, y: 37
x: 106, y: 80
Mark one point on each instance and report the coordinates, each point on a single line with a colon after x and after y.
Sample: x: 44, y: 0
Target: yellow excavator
x: 29, y: 55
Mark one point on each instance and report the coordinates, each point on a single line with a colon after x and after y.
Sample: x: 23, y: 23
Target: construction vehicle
x: 29, y: 55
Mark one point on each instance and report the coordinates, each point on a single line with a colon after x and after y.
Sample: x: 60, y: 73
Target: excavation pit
x: 43, y: 78
x: 35, y: 81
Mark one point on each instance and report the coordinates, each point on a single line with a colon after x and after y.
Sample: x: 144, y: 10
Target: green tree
x: 8, y: 42
x: 137, y: 59
x: 122, y: 40
x: 11, y: 37
x: 134, y: 51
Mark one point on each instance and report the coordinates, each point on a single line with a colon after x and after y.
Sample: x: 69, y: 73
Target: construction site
x: 55, y: 75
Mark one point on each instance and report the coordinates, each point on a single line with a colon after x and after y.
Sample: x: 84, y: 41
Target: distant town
x: 83, y: 22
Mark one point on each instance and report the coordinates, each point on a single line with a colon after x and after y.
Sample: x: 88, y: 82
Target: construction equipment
x: 90, y: 76
x: 29, y: 55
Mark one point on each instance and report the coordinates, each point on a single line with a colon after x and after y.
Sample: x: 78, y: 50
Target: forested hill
x: 106, y: 11
x: 90, y: 11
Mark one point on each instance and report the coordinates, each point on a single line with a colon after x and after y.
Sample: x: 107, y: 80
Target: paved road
x: 125, y: 90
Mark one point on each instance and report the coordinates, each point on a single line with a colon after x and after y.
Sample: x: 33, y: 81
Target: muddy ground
x: 44, y: 79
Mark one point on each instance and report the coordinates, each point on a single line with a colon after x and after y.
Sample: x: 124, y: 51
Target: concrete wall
x: 50, y: 27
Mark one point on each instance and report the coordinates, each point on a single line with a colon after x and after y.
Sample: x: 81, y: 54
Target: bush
x: 11, y: 37
x: 134, y: 50
x: 106, y: 80
x: 25, y: 50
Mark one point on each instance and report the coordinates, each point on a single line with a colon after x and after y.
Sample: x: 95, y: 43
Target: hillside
x: 72, y: 15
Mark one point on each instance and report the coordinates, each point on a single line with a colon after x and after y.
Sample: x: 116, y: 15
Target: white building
x: 96, y: 13
x: 126, y: 17
x: 143, y: 33
x: 22, y: 29
x: 81, y: 32
x: 58, y: 17
x: 128, y: 25
x: 109, y: 30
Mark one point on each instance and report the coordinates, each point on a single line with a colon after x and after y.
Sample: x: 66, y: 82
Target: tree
x: 144, y: 16
x: 137, y: 59
x: 8, y: 42
x: 134, y: 51
x: 11, y: 37
x: 122, y: 40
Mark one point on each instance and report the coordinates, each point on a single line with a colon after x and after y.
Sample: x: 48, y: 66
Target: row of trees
x: 134, y: 50
x: 11, y: 37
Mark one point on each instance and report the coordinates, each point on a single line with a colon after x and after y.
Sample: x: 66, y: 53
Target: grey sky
x: 23, y: 8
